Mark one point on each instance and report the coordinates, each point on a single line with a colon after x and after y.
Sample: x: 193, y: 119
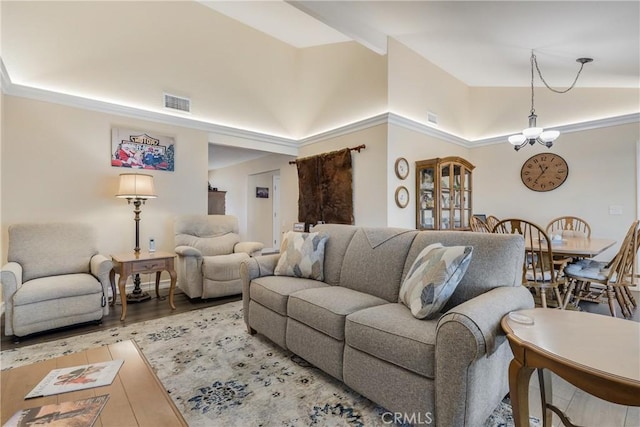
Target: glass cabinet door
x: 426, y: 198
x: 446, y: 195
x: 466, y: 198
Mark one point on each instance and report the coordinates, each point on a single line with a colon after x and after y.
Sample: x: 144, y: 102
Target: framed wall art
x: 262, y: 192
x: 142, y: 150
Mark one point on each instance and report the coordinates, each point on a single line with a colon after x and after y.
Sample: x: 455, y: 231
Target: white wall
x: 416, y: 86
x: 413, y: 146
x: 259, y: 210
x: 503, y: 111
x: 602, y: 173
x: 235, y: 180
x: 56, y: 166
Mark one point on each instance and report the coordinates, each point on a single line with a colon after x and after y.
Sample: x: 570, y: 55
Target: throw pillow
x: 302, y: 255
x: 433, y: 277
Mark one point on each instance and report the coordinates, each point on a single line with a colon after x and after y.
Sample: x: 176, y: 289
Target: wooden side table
x: 596, y: 353
x: 139, y: 263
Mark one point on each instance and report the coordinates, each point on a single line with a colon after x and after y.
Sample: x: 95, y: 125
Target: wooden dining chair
x: 569, y: 226
x: 478, y: 225
x: 614, y: 276
x: 540, y: 271
x: 492, y: 221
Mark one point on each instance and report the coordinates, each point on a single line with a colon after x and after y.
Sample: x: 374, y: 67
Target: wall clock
x: 402, y: 197
x: 544, y: 172
x: 402, y: 168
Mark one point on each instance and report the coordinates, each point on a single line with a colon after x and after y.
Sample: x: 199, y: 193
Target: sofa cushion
x: 391, y: 333
x: 50, y: 249
x: 302, y: 255
x: 335, y: 248
x: 375, y: 259
x: 325, y: 309
x: 588, y: 268
x: 433, y: 277
x: 493, y: 263
x: 210, y: 246
x: 56, y: 288
x: 223, y: 267
x: 273, y: 291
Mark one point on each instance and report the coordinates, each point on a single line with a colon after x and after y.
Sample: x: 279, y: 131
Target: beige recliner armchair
x: 54, y: 278
x: 209, y: 255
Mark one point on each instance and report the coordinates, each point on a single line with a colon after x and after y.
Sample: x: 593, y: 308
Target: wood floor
x: 582, y: 408
x: 138, y: 312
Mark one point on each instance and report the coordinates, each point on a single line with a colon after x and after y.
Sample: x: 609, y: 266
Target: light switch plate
x: 615, y: 210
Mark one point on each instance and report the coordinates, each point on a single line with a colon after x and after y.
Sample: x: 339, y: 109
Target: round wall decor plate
x: 402, y: 197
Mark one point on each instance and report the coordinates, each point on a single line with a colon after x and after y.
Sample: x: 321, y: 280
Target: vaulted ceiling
x: 481, y: 43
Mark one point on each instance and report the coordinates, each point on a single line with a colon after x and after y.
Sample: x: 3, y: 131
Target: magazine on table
x: 77, y: 413
x: 76, y: 378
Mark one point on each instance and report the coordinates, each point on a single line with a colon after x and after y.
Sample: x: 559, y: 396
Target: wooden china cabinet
x: 443, y: 194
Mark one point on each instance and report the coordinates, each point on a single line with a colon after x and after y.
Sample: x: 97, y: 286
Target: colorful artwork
x: 140, y: 150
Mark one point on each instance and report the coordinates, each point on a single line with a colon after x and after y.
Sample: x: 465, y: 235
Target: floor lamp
x: 136, y: 188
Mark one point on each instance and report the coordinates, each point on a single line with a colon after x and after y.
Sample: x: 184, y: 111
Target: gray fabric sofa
x: 453, y: 368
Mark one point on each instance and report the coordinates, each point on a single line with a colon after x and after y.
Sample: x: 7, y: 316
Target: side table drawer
x: 149, y: 265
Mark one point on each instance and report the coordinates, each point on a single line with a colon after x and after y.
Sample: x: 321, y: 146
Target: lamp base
x: 138, y: 297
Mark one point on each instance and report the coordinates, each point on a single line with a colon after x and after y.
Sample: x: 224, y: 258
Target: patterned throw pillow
x: 302, y: 255
x: 433, y: 277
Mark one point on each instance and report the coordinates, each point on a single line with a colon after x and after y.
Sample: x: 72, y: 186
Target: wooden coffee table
x: 596, y: 353
x: 136, y: 396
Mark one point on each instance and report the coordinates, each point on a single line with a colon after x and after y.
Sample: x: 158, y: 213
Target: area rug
x: 219, y: 375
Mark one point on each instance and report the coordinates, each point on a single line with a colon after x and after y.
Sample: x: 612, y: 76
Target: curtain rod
x: 358, y: 148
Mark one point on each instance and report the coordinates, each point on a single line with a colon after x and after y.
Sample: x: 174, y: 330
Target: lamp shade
x: 549, y: 135
x: 517, y: 139
x: 136, y: 186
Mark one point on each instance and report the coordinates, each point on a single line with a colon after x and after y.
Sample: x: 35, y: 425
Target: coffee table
x: 136, y: 396
x: 596, y: 353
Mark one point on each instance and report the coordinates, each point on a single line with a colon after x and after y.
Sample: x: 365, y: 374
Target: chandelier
x: 533, y: 133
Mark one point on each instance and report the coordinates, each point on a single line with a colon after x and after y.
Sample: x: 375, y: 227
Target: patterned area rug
x: 219, y: 375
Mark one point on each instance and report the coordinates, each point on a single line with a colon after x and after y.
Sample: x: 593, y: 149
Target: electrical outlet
x: 615, y: 210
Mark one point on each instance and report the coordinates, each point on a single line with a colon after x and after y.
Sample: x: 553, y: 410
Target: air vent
x: 176, y: 103
x: 432, y: 118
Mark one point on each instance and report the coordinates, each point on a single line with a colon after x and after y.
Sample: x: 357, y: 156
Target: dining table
x: 579, y: 247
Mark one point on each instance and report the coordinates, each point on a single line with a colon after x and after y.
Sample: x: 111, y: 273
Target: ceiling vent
x: 432, y: 118
x: 177, y: 103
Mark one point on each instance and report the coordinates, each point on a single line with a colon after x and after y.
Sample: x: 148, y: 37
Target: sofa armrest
x: 482, y: 315
x: 252, y: 268
x: 101, y: 267
x: 470, y: 345
x: 188, y: 251
x: 251, y: 248
x: 11, y: 278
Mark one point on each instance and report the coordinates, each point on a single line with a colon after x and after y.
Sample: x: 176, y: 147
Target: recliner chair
x: 209, y: 255
x: 54, y: 278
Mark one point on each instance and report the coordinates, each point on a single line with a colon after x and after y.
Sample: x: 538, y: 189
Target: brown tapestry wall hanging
x: 325, y: 184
